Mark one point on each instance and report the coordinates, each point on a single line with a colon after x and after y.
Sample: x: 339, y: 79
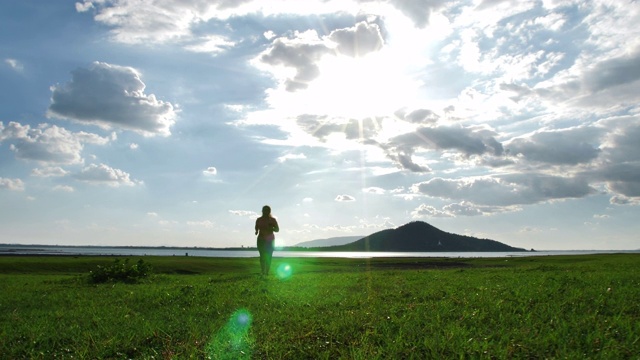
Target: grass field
x: 559, y: 307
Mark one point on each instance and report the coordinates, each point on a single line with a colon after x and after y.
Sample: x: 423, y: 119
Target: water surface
x: 162, y: 251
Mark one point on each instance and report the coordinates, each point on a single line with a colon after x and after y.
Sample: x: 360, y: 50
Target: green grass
x: 560, y: 307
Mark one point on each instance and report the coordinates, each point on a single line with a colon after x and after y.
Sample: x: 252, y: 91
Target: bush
x: 120, y: 272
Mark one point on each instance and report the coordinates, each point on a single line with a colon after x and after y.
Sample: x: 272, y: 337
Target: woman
x: 266, y: 225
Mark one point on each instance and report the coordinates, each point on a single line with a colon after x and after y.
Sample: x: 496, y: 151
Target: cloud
x: 465, y: 141
x: 155, y: 21
x: 582, y: 157
x: 614, y: 72
x: 322, y: 126
x: 204, y: 223
x: 506, y: 190
x: 287, y: 157
x: 11, y: 184
x: 210, y: 171
x: 84, y: 7
x: 623, y: 200
x: 14, y: 64
x: 427, y: 211
x: 64, y: 188
x: 554, y: 21
x: 212, y: 44
x: 373, y: 190
x: 48, y: 143
x: 304, y: 50
x: 133, y: 22
x: 419, y: 116
x: 463, y: 208
x: 541, y: 53
x: 244, y: 213
x: 406, y: 162
x: 468, y: 141
x: 621, y: 179
x: 300, y: 53
x: 344, y: 198
x: 111, y: 96
x: 568, y: 146
x: 211, y: 174
x: 518, y: 66
x: 620, y: 144
x: 619, y: 163
x: 596, y: 80
x: 359, y: 40
x: 104, y: 175
x: 419, y: 11
x: 54, y: 171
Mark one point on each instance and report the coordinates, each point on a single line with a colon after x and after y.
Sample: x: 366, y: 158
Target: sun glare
x: 359, y: 87
x: 369, y: 89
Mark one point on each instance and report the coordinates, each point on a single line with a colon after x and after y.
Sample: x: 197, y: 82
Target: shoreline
x: 140, y: 251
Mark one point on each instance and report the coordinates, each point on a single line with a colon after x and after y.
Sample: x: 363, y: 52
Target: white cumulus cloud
x: 111, y: 96
x: 345, y: 198
x: 105, y: 175
x: 11, y: 184
x: 48, y: 143
x: 54, y: 171
x: 210, y: 171
x: 244, y: 213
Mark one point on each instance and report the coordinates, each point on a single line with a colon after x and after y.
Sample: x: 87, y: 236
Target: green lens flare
x: 232, y: 341
x: 284, y: 271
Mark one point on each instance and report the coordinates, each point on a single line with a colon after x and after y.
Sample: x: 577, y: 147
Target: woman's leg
x: 268, y: 255
x: 262, y: 251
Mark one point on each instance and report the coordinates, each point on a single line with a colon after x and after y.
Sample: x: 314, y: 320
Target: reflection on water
x: 124, y: 251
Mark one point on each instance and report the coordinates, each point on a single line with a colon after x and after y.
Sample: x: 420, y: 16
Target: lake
x: 162, y: 251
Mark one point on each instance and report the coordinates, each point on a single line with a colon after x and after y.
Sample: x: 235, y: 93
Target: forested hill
x: 421, y: 237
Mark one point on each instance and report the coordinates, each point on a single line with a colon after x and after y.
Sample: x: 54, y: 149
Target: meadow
x: 556, y: 307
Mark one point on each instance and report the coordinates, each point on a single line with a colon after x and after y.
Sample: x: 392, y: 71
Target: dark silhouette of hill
x: 419, y: 236
x: 341, y: 240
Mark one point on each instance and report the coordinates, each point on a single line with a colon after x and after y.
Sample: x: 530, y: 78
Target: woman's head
x: 266, y: 210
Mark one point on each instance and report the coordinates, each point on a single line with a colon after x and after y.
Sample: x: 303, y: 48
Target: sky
x: 172, y: 122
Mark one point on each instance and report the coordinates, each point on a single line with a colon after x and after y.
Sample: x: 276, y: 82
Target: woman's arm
x: 274, y: 226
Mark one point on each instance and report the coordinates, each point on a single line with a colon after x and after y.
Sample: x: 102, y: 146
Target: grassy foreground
x: 571, y: 307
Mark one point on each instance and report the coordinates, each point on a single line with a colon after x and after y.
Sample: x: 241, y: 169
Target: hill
x: 341, y: 240
x: 419, y: 236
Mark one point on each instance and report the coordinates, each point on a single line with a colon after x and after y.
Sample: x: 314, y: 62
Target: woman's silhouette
x: 266, y: 225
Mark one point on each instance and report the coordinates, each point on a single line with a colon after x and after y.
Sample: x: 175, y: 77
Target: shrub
x: 120, y: 272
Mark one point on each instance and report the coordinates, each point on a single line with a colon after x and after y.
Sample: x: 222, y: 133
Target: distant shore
x: 239, y: 252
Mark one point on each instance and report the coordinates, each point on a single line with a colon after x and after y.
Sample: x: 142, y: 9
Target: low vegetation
x: 534, y: 307
x: 120, y: 271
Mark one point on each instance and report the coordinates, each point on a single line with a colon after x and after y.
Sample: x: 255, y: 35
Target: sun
x: 359, y: 87
x: 367, y: 89
x: 374, y: 85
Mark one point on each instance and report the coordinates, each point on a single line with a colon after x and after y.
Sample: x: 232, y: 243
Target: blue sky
x: 171, y: 123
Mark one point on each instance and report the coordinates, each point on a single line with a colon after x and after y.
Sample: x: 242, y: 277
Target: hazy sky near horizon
x: 171, y: 123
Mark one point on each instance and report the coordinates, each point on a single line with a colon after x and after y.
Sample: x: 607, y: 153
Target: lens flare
x: 232, y: 341
x: 284, y: 271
